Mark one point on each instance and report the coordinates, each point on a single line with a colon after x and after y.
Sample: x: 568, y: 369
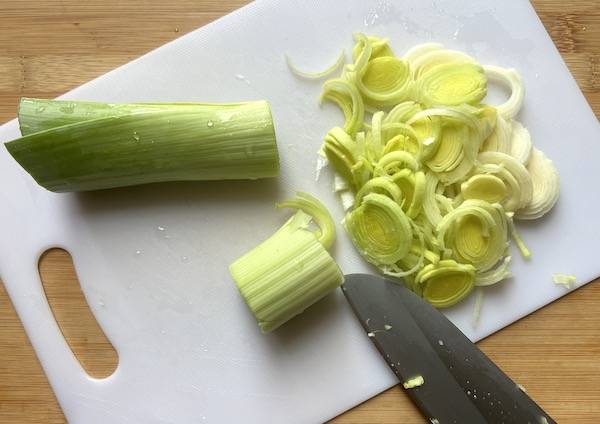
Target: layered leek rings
x: 434, y: 177
x: 379, y: 229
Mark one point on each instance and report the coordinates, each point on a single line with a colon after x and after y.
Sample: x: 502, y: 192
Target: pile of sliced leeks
x: 431, y: 177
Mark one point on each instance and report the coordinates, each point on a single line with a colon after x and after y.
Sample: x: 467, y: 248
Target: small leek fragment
x: 564, y: 279
x: 520, y: 143
x: 414, y: 382
x: 446, y: 283
x: 379, y: 229
x: 316, y: 75
x: 477, y: 307
x: 545, y: 184
x: 78, y: 146
x: 292, y: 269
x: 511, y: 79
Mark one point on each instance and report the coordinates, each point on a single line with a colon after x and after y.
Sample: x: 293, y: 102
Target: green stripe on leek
x: 98, y: 146
x: 292, y: 269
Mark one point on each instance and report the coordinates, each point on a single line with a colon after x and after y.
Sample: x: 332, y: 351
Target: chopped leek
x: 446, y: 283
x: 316, y: 75
x: 520, y: 143
x: 379, y: 229
x: 77, y: 146
x: 545, y: 187
x: 563, y: 279
x: 434, y: 177
x: 292, y: 269
x: 413, y: 382
x: 511, y: 79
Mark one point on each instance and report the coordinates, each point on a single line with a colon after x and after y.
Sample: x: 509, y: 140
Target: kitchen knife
x: 445, y: 374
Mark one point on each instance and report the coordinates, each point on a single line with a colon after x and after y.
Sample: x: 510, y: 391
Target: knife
x: 445, y: 374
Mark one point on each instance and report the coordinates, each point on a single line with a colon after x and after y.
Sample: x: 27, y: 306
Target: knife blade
x: 445, y: 374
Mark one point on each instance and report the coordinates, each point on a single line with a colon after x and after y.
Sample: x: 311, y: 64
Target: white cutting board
x: 189, y: 350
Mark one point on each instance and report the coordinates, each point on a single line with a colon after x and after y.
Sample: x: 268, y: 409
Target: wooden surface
x: 50, y: 46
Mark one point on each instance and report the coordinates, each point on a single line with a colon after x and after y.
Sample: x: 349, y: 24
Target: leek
x: 78, y: 146
x: 316, y: 75
x: 545, y: 189
x: 292, y: 269
x: 434, y: 177
x: 564, y: 279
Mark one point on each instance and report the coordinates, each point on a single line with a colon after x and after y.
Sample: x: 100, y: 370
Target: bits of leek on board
x: 434, y: 176
x: 564, y: 279
x: 292, y: 269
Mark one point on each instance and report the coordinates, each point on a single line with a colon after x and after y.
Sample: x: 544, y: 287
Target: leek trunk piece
x: 292, y: 269
x: 79, y: 146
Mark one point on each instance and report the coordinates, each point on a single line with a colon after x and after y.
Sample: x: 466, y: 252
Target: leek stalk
x: 78, y: 146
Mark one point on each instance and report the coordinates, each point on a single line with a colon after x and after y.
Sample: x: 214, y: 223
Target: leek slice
x: 512, y: 80
x: 292, y: 269
x: 122, y: 145
x: 520, y: 143
x: 500, y: 139
x: 514, y: 174
x: 493, y: 276
x: 486, y: 187
x: 379, y: 48
x: 546, y: 187
x: 428, y: 57
x: 421, y: 49
x: 402, y: 112
x: 446, y: 283
x: 475, y: 233
x: 379, y: 229
x: 452, y: 84
x: 316, y: 75
x: 347, y: 97
x: 386, y: 81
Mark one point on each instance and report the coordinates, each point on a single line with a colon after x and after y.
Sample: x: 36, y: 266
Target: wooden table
x: 50, y: 46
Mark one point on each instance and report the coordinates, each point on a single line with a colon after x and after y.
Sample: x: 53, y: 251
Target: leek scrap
x: 565, y: 280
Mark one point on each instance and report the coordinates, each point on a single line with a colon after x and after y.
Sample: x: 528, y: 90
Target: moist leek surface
x: 77, y: 146
x: 437, y: 176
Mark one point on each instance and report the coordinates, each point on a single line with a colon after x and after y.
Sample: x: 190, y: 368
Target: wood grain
x: 50, y: 46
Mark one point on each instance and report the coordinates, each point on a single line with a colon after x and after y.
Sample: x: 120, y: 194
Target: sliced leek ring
x: 515, y: 176
x: 379, y: 229
x: 500, y: 139
x: 546, y: 186
x: 452, y: 84
x: 446, y: 283
x: 475, y: 233
x: 347, y: 97
x: 319, y: 74
x: 520, y: 143
x: 313, y: 207
x: 386, y: 81
x: 486, y: 187
x: 512, y: 80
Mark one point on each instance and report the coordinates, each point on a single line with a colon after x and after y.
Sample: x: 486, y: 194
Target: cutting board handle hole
x: 71, y: 311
